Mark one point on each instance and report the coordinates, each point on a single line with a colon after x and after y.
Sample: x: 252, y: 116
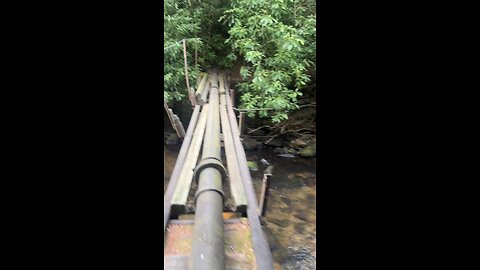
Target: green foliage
x: 215, y: 53
x: 179, y: 23
x: 197, y: 22
x: 274, y: 38
x: 277, y: 40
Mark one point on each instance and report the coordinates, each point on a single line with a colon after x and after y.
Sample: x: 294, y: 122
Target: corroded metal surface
x: 208, y: 233
x: 238, y: 245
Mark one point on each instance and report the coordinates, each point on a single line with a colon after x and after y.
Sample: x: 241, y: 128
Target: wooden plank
x: 179, y: 199
x: 213, y: 82
x: 202, y: 85
x: 221, y: 87
x: 236, y: 186
x: 203, y: 98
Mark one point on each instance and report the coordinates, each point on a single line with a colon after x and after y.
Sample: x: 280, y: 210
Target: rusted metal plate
x: 238, y: 245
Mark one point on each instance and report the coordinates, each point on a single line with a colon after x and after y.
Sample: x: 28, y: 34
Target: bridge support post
x: 241, y: 123
x: 265, y: 190
x: 232, y: 95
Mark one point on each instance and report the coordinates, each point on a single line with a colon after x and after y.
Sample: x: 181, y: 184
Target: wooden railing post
x: 191, y: 95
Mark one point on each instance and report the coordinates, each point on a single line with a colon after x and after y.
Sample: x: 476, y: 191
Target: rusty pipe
x: 208, y: 232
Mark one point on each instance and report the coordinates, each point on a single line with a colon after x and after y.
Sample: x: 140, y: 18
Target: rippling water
x: 290, y: 220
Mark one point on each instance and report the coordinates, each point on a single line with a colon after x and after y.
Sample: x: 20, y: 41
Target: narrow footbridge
x: 209, y: 237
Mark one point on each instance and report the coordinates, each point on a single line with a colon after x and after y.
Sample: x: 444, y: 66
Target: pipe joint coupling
x: 210, y: 162
x: 204, y: 189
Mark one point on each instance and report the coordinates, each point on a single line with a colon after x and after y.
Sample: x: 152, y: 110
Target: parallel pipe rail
x: 263, y: 256
x: 208, y: 233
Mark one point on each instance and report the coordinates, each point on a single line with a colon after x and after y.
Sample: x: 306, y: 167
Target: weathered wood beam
x: 236, y: 186
x: 170, y: 116
x: 202, y: 85
x: 172, y: 184
x: 180, y: 197
x: 179, y: 127
x: 212, y: 82
x: 241, y: 123
x: 191, y: 95
x: 265, y: 191
x: 232, y: 97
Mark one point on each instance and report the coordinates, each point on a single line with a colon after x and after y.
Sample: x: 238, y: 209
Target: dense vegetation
x: 274, y: 40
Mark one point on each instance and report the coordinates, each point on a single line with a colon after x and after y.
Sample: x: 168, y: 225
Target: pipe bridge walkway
x: 211, y: 237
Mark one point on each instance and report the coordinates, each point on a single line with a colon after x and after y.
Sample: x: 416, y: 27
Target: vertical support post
x: 232, y: 96
x: 196, y: 57
x: 241, y: 123
x: 179, y: 127
x: 169, y: 114
x: 191, y: 95
x: 265, y: 191
x: 174, y: 125
x: 185, y: 60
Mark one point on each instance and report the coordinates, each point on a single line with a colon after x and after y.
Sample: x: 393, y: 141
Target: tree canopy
x: 274, y: 40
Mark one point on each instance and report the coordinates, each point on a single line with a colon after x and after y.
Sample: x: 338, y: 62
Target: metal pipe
x: 263, y: 256
x: 208, y: 232
x: 172, y: 184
